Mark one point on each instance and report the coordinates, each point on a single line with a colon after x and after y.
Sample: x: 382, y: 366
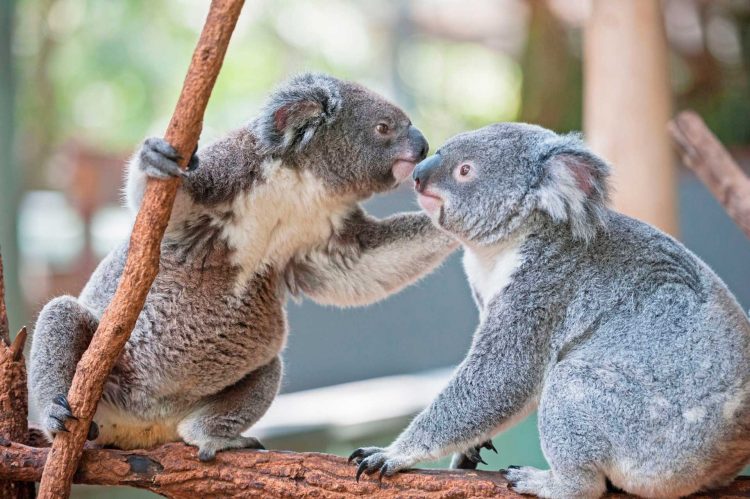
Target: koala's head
x: 349, y: 137
x: 483, y: 186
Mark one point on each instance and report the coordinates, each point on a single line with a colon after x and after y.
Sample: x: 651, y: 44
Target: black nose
x: 418, y: 143
x: 424, y: 170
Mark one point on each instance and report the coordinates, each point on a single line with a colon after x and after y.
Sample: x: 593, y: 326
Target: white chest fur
x: 290, y: 212
x: 489, y: 268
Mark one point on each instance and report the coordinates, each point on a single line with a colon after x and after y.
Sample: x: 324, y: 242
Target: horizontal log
x: 174, y: 470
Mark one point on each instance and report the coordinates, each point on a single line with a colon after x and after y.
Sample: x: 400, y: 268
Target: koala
x: 268, y: 211
x: 634, y: 353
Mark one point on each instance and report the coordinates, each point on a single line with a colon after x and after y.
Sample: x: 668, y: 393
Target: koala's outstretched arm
x: 218, y: 173
x: 494, y: 387
x: 370, y: 259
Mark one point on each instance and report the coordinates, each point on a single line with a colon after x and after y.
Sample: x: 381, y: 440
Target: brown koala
x: 271, y: 208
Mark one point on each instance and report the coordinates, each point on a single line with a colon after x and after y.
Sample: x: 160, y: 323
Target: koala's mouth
x: 402, y: 169
x: 429, y: 201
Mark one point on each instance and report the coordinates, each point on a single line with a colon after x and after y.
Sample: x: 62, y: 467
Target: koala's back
x: 196, y: 333
x: 662, y: 349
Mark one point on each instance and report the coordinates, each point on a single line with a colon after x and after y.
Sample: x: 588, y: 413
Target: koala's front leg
x: 371, y: 259
x: 498, y: 380
x: 218, y: 422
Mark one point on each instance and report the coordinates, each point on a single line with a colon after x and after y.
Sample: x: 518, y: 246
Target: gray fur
x: 202, y: 363
x: 635, y: 353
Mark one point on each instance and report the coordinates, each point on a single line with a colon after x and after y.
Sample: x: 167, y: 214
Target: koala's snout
x: 424, y: 170
x: 418, y: 143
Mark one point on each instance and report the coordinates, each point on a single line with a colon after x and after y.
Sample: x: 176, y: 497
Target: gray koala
x: 272, y: 208
x: 634, y: 352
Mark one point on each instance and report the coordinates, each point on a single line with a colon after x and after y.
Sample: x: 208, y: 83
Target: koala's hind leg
x: 218, y: 422
x: 62, y: 333
x: 572, y: 442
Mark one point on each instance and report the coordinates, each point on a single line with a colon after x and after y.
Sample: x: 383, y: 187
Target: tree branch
x: 174, y: 471
x: 142, y: 264
x: 13, y: 395
x: 703, y: 153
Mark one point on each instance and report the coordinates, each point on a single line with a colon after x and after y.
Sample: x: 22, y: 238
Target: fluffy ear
x: 295, y: 111
x: 574, y: 186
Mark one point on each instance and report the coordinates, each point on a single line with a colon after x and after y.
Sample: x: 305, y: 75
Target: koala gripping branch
x: 144, y: 252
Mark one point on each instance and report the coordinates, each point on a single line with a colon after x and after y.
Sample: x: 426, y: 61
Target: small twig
x: 16, y: 349
x: 703, y: 153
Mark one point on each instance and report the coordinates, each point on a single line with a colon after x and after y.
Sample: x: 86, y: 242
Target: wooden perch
x: 703, y: 153
x: 174, y: 470
x: 142, y: 263
x: 13, y: 395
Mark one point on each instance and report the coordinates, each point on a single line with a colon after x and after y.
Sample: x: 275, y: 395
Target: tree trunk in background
x: 9, y: 173
x: 627, y: 104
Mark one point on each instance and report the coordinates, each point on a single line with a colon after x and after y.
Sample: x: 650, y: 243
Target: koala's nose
x: 423, y: 171
x: 418, y: 143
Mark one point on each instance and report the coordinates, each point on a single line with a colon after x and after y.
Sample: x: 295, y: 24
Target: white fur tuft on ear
x: 295, y: 111
x: 574, y: 188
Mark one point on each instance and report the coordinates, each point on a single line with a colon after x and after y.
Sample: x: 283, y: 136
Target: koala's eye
x: 383, y: 128
x: 465, y: 172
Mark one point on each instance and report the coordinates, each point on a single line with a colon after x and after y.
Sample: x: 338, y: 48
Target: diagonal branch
x: 706, y: 156
x: 142, y: 264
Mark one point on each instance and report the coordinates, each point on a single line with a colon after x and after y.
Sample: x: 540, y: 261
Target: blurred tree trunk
x: 551, y: 95
x: 10, y: 177
x: 627, y: 104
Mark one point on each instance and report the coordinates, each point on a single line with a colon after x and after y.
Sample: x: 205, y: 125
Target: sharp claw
x: 514, y: 467
x: 93, y: 433
x: 383, y: 471
x: 360, y: 469
x: 489, y: 445
x: 62, y: 401
x: 354, y: 455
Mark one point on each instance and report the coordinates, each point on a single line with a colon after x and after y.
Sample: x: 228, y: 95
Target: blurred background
x: 82, y: 82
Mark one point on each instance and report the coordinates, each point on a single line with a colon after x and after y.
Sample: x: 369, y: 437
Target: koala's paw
x: 386, y: 461
x: 470, y: 458
x: 207, y: 450
x: 159, y: 159
x: 528, y: 480
x: 345, y: 249
x: 58, y: 412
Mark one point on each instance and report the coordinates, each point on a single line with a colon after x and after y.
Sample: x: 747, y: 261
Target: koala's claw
x: 93, y: 433
x: 469, y: 459
x: 474, y: 456
x: 58, y: 411
x: 159, y: 159
x: 207, y: 451
x: 489, y: 445
x: 62, y: 401
x: 528, y: 480
x: 375, y: 459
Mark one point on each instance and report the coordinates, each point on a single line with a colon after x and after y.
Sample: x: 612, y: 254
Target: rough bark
x: 173, y: 470
x: 4, y: 329
x: 142, y: 264
x: 702, y: 152
x: 13, y: 395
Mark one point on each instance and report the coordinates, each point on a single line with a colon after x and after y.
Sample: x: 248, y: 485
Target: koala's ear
x: 296, y: 111
x: 574, y: 186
